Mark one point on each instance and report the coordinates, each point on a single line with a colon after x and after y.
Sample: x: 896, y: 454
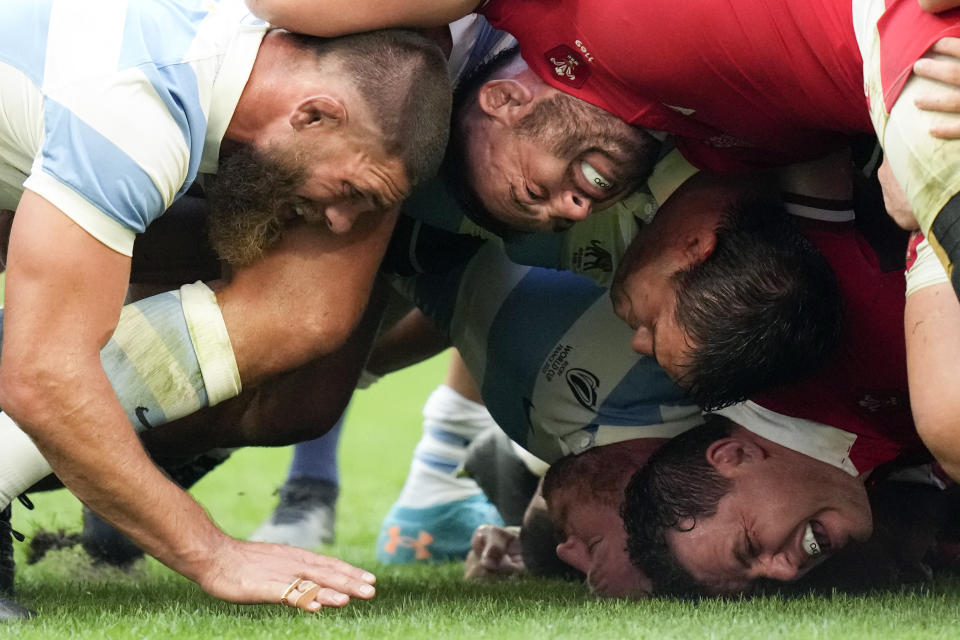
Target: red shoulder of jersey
x: 863, y: 389
x: 906, y: 33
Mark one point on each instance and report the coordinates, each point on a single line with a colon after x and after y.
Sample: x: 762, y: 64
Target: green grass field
x: 76, y: 600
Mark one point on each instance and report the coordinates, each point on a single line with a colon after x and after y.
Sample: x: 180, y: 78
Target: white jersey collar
x: 819, y: 441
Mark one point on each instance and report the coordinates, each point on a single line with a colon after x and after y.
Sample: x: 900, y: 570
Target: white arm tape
x: 926, y: 270
x: 218, y: 365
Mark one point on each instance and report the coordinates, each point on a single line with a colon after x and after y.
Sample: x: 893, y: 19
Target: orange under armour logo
x: 419, y: 544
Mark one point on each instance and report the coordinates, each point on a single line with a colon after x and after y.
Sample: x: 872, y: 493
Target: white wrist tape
x: 926, y: 270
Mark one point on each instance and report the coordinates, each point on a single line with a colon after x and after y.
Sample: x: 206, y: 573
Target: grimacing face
x: 255, y: 192
x: 350, y: 175
x: 529, y: 189
x: 554, y: 165
x: 328, y: 176
x: 584, y: 494
x: 596, y: 545
x: 783, y: 516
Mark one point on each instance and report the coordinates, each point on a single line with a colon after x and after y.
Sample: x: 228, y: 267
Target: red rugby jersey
x: 743, y: 83
x: 863, y: 389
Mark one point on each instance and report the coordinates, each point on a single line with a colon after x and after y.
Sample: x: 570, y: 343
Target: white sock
x: 21, y: 465
x: 450, y: 423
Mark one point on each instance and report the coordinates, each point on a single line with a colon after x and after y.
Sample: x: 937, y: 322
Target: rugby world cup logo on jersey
x: 584, y: 385
x: 883, y: 400
x: 593, y: 257
x: 568, y: 65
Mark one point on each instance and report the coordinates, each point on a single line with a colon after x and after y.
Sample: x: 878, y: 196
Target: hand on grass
x: 495, y: 551
x: 256, y: 572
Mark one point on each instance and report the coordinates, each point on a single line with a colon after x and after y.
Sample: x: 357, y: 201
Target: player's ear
x: 575, y: 553
x: 321, y: 110
x: 729, y: 455
x: 699, y: 243
x: 506, y: 99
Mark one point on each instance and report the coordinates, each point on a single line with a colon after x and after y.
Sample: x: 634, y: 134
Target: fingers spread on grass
x: 345, y: 568
x: 343, y: 584
x: 253, y: 572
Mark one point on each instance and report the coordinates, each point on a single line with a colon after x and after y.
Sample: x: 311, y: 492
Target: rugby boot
x: 506, y: 480
x: 9, y: 609
x: 437, y: 533
x: 305, y: 516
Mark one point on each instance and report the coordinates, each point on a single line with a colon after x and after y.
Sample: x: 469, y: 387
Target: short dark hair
x: 403, y: 78
x: 761, y: 310
x: 676, y: 487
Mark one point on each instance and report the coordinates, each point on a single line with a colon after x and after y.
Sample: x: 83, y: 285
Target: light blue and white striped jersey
x: 109, y: 109
x: 552, y: 360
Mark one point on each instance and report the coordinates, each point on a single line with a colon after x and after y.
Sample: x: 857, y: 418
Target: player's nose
x: 778, y: 566
x: 572, y: 206
x: 341, y: 217
x: 642, y: 341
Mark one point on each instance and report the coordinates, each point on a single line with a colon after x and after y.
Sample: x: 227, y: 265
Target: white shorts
x: 927, y: 168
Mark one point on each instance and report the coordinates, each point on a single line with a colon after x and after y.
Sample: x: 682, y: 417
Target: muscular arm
x: 63, y: 399
x: 304, y: 297
x: 413, y: 339
x: 931, y: 320
x: 63, y: 297
x: 329, y: 18
x: 298, y: 405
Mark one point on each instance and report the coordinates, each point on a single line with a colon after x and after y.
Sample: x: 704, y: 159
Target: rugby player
x: 110, y: 114
x: 724, y: 79
x: 811, y: 446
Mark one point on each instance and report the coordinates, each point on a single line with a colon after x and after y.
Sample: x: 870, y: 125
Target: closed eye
x: 536, y: 197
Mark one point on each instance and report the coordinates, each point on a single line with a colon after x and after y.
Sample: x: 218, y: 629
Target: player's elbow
x: 323, y: 336
x: 939, y: 428
x: 29, y: 388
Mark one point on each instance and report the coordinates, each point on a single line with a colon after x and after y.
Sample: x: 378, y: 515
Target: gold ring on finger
x: 312, y: 592
x: 289, y: 590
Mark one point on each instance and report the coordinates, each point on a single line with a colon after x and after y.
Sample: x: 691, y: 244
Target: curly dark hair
x: 676, y: 487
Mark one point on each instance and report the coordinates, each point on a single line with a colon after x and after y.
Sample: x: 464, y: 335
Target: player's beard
x: 251, y: 195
